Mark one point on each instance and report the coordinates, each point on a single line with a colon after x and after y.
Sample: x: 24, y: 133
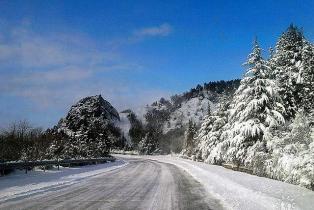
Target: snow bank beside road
x: 20, y: 184
x: 241, y: 191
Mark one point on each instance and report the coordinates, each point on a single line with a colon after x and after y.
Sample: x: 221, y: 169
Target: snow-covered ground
x: 20, y: 184
x: 237, y: 190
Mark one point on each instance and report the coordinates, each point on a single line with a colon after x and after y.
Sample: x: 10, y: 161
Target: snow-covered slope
x: 166, y: 120
x: 192, y: 105
x: 194, y: 109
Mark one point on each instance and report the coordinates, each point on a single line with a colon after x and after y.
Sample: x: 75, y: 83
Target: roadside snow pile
x: 20, y: 184
x: 237, y: 190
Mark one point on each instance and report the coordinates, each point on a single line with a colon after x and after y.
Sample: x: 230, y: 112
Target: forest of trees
x: 21, y: 141
x: 216, y: 88
x: 268, y: 125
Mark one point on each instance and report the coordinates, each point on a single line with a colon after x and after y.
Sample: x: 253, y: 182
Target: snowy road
x: 141, y: 184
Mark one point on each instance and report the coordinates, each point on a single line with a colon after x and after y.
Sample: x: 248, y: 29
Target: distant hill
x: 169, y: 117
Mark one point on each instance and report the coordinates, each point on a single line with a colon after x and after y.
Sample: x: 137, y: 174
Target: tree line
x: 22, y: 141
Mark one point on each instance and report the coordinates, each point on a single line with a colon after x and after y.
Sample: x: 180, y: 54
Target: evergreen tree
x: 149, y: 144
x: 255, y: 110
x: 286, y: 64
x: 209, y: 112
x: 292, y: 156
x: 57, y: 147
x: 210, y: 133
x: 189, y: 141
x: 136, y: 131
x: 306, y: 78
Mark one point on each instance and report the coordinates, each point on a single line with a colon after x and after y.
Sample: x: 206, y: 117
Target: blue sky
x: 53, y: 53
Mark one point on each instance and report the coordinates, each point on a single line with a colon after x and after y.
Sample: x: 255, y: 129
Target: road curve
x: 142, y: 184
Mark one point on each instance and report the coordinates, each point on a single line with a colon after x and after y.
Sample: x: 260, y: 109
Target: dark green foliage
x: 149, y: 144
x: 209, y: 112
x: 189, y: 138
x: 57, y: 146
x: 172, y: 141
x: 155, y: 119
x: 136, y: 131
x: 216, y: 88
x: 306, y: 84
x: 93, y: 143
x: 286, y: 63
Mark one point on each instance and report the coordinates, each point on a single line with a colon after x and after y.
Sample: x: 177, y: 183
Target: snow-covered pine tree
x: 148, y: 145
x: 189, y: 141
x: 136, y: 131
x: 286, y: 63
x: 209, y: 111
x: 255, y: 111
x: 292, y: 156
x: 209, y: 136
x: 306, y: 78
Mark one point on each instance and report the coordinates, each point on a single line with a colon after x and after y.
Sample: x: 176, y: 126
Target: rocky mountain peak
x: 89, y: 111
x: 94, y: 106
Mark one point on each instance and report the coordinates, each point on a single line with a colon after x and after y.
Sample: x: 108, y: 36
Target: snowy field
x: 19, y: 184
x: 237, y: 190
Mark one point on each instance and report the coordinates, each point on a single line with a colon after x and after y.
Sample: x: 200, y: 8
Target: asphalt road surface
x: 142, y: 184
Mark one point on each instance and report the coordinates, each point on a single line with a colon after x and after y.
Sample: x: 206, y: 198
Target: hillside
x: 168, y: 118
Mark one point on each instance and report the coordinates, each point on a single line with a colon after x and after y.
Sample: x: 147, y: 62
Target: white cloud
x: 162, y: 30
x: 52, y: 71
x: 48, y: 68
x: 55, y: 75
x: 141, y: 34
x: 33, y: 50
